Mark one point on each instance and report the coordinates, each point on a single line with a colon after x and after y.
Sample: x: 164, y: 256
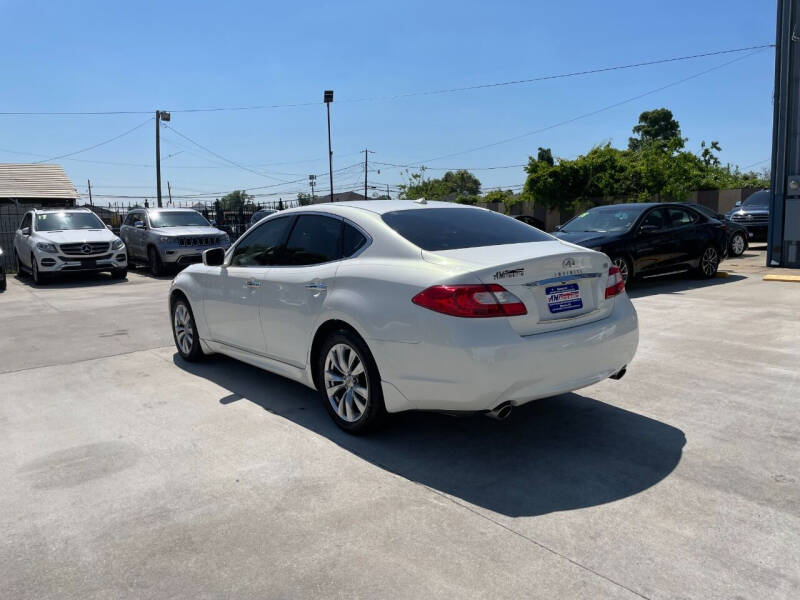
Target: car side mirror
x: 138, y: 225
x: 26, y: 231
x: 213, y: 257
x: 738, y: 203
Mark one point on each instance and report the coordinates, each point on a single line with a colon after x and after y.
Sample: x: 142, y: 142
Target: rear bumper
x: 479, y: 374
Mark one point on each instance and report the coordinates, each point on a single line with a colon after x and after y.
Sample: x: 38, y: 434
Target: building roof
x: 340, y: 197
x: 35, y: 182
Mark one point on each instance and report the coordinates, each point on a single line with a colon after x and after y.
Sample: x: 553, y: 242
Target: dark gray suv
x: 161, y: 237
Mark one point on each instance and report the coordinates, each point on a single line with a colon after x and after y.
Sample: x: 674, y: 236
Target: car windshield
x: 436, y: 229
x: 757, y: 200
x: 59, y: 221
x: 177, y: 219
x: 604, y: 220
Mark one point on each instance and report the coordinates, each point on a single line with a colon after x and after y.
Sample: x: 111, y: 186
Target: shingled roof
x: 35, y: 182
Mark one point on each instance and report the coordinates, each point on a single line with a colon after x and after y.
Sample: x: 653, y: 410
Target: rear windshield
x: 177, y: 219
x: 67, y: 220
x: 453, y: 228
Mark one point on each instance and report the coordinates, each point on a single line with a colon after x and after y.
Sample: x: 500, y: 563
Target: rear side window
x: 353, y: 241
x: 314, y: 239
x: 681, y: 216
x: 452, y: 228
x: 261, y: 247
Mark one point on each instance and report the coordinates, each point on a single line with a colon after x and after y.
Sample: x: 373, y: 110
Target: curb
x: 790, y: 278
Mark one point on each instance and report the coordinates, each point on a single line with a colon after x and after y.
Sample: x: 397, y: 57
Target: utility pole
x: 783, y: 243
x: 89, y: 181
x: 169, y: 190
x: 161, y: 115
x: 328, y: 98
x: 312, y: 180
x: 388, y: 196
x: 366, y: 168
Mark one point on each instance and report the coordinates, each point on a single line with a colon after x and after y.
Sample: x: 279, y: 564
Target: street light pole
x: 161, y: 115
x: 328, y: 98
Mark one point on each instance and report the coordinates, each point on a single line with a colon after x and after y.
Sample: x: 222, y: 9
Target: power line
x: 402, y: 95
x: 103, y: 143
x: 591, y: 113
x: 234, y: 163
x: 565, y: 75
x: 411, y: 166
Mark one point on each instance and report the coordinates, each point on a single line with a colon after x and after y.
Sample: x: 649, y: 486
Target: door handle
x: 317, y: 286
x: 252, y: 283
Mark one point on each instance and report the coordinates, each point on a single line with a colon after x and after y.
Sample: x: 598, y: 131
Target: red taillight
x: 471, y: 301
x: 615, y: 284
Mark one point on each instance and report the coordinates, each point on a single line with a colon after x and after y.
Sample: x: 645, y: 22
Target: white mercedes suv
x: 386, y: 306
x: 59, y: 240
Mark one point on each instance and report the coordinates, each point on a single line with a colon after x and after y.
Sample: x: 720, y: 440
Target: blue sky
x: 140, y: 56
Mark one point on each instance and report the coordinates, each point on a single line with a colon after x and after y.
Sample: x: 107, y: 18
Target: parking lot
x: 128, y: 473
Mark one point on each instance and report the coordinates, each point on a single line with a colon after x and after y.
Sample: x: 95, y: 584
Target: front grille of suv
x: 752, y: 220
x: 198, y: 241
x: 77, y: 249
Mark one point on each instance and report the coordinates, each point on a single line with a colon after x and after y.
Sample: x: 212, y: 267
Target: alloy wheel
x: 184, y: 332
x: 622, y: 265
x: 709, y: 262
x: 737, y: 244
x: 346, y: 382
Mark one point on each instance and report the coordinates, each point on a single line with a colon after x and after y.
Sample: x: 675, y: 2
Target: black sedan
x: 737, y: 233
x: 651, y: 239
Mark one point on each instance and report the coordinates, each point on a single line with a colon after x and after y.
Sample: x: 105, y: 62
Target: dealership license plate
x: 562, y: 298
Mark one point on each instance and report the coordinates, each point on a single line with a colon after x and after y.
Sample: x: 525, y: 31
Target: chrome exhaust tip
x: 619, y: 374
x: 500, y: 412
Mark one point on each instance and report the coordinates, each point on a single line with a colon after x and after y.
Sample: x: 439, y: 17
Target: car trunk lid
x: 560, y: 284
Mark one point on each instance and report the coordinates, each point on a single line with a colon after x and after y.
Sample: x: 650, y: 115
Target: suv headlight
x: 45, y: 247
x: 117, y: 244
x: 165, y: 239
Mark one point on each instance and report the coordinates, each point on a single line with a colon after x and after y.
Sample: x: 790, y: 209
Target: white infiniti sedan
x: 387, y: 306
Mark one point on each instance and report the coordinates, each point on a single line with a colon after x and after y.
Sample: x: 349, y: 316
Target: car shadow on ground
x: 561, y: 453
x: 70, y: 280
x: 676, y: 284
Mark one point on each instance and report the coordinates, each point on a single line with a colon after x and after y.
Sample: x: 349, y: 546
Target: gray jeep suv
x: 161, y: 237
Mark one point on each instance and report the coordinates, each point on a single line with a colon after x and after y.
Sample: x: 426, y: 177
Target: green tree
x: 236, y: 200
x: 459, y: 186
x: 303, y: 198
x: 657, y: 125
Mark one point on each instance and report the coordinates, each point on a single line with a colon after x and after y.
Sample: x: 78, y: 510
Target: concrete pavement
x: 128, y: 473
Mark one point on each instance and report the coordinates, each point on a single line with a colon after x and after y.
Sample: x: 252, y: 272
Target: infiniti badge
x: 568, y: 263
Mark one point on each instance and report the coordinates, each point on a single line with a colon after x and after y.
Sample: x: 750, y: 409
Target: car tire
x: 349, y: 383
x: 119, y: 273
x: 184, y: 331
x: 709, y: 262
x: 738, y: 244
x: 38, y: 278
x: 624, y: 267
x: 3, y: 283
x: 156, y: 266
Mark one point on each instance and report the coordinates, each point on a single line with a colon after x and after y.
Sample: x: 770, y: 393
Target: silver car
x: 162, y: 237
